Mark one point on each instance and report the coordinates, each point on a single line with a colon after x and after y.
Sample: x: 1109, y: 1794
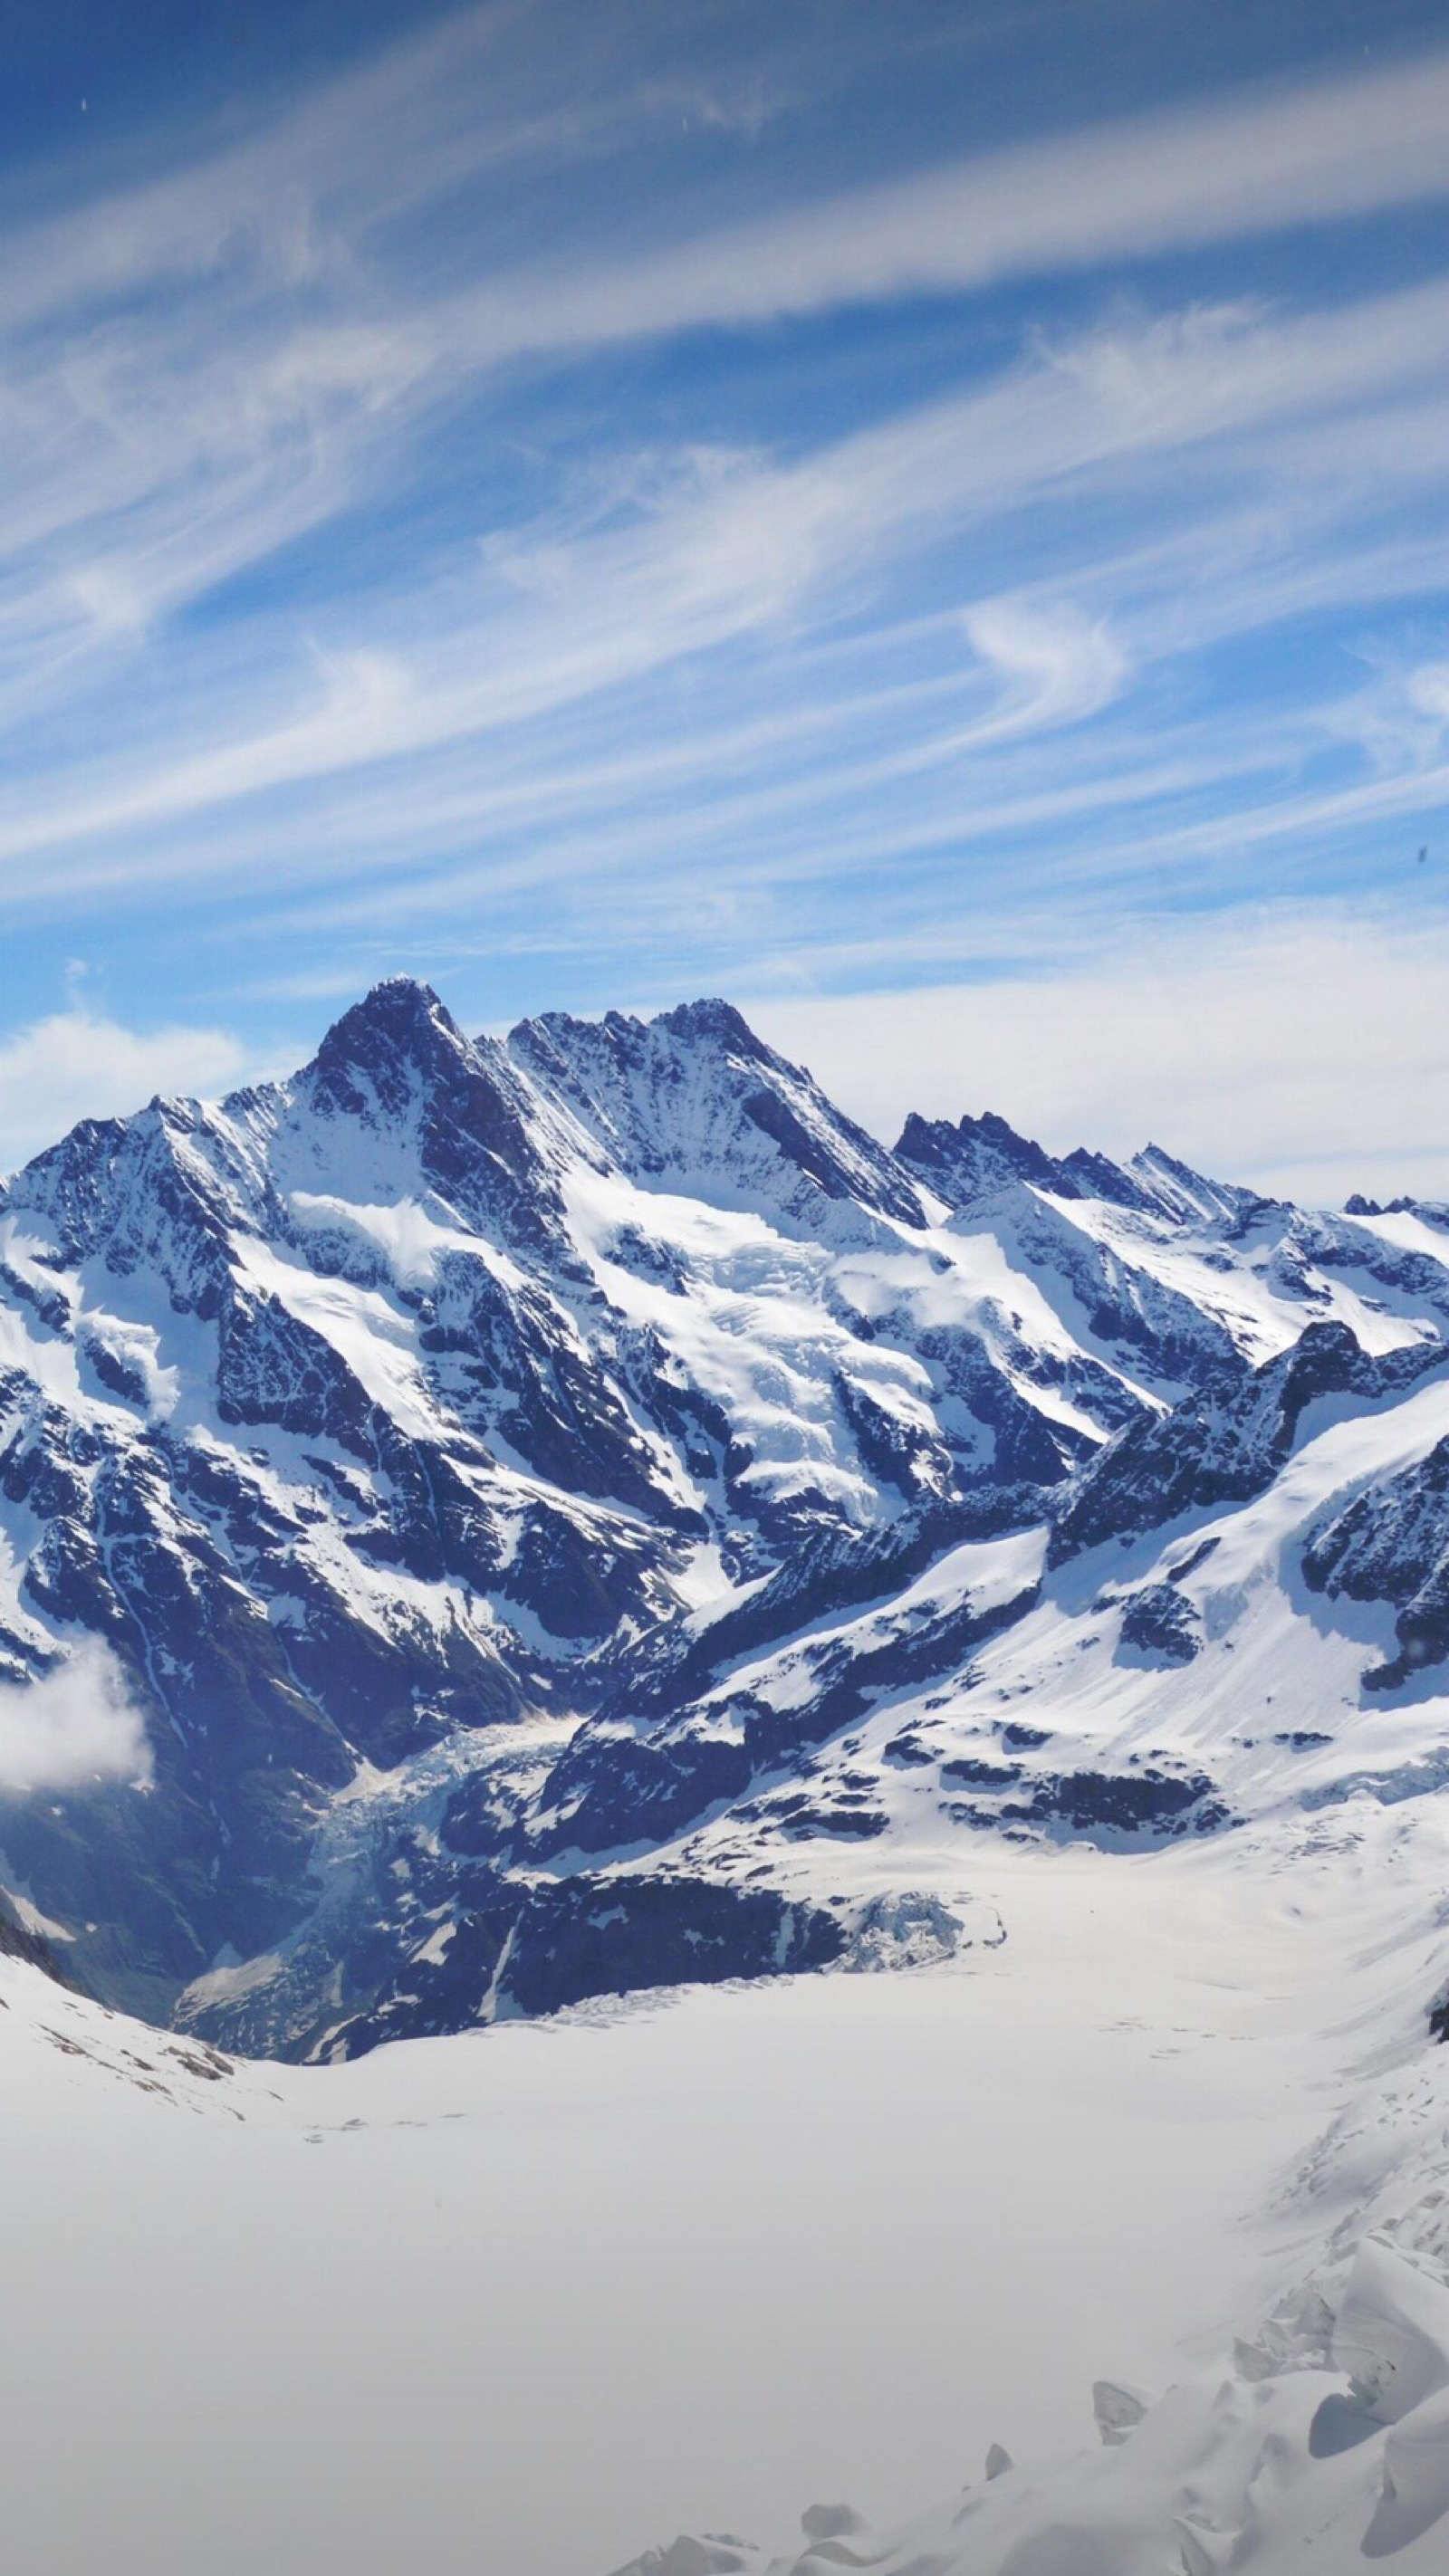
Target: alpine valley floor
x: 526, y: 2301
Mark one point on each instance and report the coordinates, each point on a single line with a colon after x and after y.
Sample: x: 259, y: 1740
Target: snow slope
x: 1336, y: 2457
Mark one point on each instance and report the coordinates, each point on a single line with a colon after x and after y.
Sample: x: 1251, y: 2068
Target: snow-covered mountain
x: 576, y: 1514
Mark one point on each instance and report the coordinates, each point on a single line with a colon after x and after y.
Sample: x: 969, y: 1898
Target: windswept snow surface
x: 527, y: 2301
x: 1331, y: 2458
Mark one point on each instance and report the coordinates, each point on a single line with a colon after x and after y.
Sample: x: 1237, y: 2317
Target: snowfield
x: 535, y: 2300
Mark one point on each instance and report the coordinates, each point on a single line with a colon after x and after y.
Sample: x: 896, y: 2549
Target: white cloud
x: 1062, y: 665
x: 75, y: 1726
x: 1306, y: 1052
x: 1135, y: 189
x: 79, y: 1064
x: 654, y: 701
x: 483, y: 101
x: 736, y: 548
x: 196, y: 431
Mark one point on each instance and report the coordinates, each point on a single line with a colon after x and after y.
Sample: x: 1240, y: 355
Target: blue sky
x: 930, y: 519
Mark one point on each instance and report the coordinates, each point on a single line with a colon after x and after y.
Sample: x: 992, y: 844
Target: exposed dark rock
x: 908, y: 1751
x: 1159, y: 1625
x: 538, y: 1948
x: 1391, y: 1543
x: 18, y: 1943
x: 1091, y: 1803
x: 978, y: 1157
x: 1224, y: 1445
x: 609, y: 1791
x: 969, y: 1771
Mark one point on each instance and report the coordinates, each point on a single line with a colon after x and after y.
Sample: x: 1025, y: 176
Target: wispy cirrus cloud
x: 1132, y: 192
x: 627, y: 504
x: 205, y: 365
x: 345, y: 166
x: 761, y: 551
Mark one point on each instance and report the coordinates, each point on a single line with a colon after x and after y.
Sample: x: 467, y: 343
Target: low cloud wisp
x: 75, y: 1727
x: 79, y: 1063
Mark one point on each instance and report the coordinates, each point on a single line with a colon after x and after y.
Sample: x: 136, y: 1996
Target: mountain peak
x: 694, y: 1092
x: 400, y: 1015
x: 1182, y: 1193
x: 397, y: 1033
x: 988, y: 1147
x: 977, y: 1157
x: 715, y: 1021
x: 447, y: 1111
